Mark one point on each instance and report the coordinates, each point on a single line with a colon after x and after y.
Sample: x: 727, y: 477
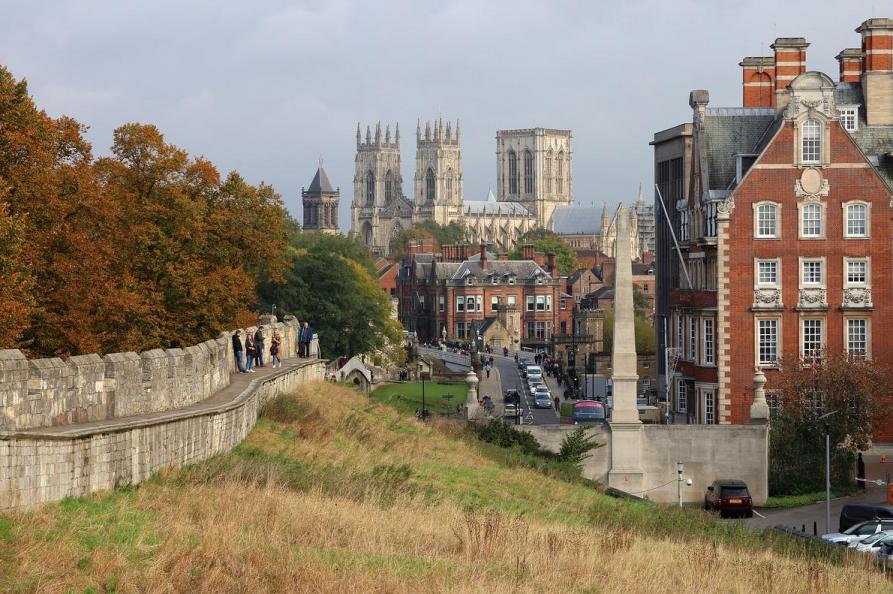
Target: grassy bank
x: 805, y: 498
x: 333, y: 493
x: 407, y: 398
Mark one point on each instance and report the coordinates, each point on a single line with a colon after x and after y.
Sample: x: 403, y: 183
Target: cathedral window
x: 548, y: 175
x: 370, y: 188
x: 388, y: 187
x: 528, y: 172
x: 429, y: 186
x: 560, y: 181
x: 513, y: 173
x: 449, y: 184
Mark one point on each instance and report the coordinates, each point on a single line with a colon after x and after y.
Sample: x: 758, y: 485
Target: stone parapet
x: 42, y: 465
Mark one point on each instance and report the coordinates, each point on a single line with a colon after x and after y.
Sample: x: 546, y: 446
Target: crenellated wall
x: 51, y: 392
x: 42, y: 465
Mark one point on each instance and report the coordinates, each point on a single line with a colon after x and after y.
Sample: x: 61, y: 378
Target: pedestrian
x: 259, y: 347
x: 487, y: 369
x: 860, y: 471
x: 557, y: 404
x: 299, y: 342
x: 274, y: 350
x: 250, y: 351
x: 237, y: 350
x: 307, y: 338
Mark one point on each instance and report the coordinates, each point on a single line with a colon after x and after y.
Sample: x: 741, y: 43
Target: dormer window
x: 469, y: 280
x: 811, y: 142
x: 511, y: 280
x: 849, y: 118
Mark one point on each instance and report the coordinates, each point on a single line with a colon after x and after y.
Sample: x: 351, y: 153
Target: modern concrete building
x: 782, y: 209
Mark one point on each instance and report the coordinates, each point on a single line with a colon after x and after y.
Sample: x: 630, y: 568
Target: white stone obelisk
x: 626, y: 428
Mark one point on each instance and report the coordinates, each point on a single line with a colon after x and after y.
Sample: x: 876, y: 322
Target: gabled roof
x: 321, y: 183
x: 726, y: 132
x: 876, y: 142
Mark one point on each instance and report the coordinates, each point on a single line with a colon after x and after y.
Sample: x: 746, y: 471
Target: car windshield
x: 862, y: 526
x: 734, y: 492
x: 873, y: 537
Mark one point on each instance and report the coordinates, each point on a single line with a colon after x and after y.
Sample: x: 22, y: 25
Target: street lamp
x: 422, y: 377
x: 679, y: 467
x: 827, y: 471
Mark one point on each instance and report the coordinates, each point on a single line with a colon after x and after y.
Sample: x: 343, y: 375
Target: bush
x: 500, y: 433
x: 577, y: 446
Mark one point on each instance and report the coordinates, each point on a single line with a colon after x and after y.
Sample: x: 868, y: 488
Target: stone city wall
x: 39, y: 467
x: 51, y: 392
x: 708, y: 452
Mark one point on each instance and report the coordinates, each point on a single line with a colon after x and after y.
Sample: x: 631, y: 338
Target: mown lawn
x: 407, y: 398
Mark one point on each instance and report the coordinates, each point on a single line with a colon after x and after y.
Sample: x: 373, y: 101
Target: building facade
x: 782, y: 209
x: 458, y: 295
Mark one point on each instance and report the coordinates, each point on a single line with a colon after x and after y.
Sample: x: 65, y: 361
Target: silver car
x: 858, y: 531
x: 870, y: 544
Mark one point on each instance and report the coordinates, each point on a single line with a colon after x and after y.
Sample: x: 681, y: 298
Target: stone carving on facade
x: 812, y: 185
x: 857, y: 297
x: 813, y: 298
x: 724, y: 208
x: 767, y: 299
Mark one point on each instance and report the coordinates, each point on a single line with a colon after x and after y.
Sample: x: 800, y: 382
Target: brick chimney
x: 758, y: 80
x: 539, y: 258
x: 550, y: 262
x: 850, y: 61
x: 790, y: 62
x: 502, y: 256
x: 483, y: 253
x: 877, y: 70
x: 527, y: 252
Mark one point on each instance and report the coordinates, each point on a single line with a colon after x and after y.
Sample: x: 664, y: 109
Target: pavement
x: 806, y: 515
x: 511, y: 378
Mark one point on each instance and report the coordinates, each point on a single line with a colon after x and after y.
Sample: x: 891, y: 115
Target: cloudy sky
x: 268, y: 87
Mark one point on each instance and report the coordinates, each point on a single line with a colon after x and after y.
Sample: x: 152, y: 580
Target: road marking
x: 759, y: 514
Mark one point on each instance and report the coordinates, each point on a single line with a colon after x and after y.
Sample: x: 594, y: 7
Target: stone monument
x: 626, y: 428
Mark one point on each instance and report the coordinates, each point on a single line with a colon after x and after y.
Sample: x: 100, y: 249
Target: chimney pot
x: 483, y: 253
x: 758, y: 81
x: 850, y: 61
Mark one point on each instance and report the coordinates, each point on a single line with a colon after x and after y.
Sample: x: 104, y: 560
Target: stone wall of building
x: 708, y: 452
x: 39, y: 467
x: 51, y: 392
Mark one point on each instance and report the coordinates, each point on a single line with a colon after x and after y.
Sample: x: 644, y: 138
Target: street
x: 511, y: 379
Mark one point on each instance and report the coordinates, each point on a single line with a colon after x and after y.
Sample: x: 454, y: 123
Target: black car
x: 853, y: 513
x: 729, y: 497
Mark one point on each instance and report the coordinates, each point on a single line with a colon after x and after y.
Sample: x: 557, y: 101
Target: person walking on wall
x: 250, y: 351
x: 487, y: 369
x: 308, y: 338
x: 300, y: 339
x: 860, y: 471
x: 274, y: 350
x: 237, y: 350
x: 259, y: 348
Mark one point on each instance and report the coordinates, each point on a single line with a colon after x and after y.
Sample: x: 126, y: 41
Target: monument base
x: 626, y: 457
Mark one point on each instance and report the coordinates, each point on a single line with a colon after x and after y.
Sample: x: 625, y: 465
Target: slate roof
x: 576, y: 220
x: 875, y: 141
x: 640, y: 269
x: 321, y: 183
x: 726, y: 132
x: 494, y: 207
x: 521, y: 269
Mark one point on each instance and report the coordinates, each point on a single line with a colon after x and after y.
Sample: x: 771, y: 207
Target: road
x: 511, y: 379
x: 797, y: 517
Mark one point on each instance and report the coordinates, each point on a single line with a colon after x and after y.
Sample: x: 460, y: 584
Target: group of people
x: 251, y: 356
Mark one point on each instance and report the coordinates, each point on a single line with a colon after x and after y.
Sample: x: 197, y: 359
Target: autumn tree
x: 837, y: 395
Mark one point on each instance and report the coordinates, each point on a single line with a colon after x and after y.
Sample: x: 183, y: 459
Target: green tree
x: 576, y: 446
x: 646, y: 343
x: 331, y: 284
x: 546, y: 241
x: 438, y: 235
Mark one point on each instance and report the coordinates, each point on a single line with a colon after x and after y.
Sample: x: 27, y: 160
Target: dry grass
x: 345, y: 497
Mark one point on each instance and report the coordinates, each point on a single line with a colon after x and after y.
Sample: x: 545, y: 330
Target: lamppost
x: 422, y: 377
x: 827, y: 471
x: 679, y: 467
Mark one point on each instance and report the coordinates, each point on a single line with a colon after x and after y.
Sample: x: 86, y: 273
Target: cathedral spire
x: 387, y: 134
x: 368, y: 135
x: 640, y: 199
x: 440, y: 128
x: 427, y: 130
x: 418, y: 129
x: 457, y: 130
x: 449, y: 133
x: 359, y: 138
x: 397, y: 135
x: 378, y: 133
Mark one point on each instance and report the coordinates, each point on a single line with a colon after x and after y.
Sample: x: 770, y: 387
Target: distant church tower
x: 377, y: 188
x: 438, y: 177
x: 321, y: 204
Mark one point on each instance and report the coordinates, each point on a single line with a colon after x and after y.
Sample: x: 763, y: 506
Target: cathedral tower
x: 377, y: 188
x: 321, y: 204
x: 438, y: 177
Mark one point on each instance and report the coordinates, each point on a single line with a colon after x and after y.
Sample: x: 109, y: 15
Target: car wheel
x: 749, y: 514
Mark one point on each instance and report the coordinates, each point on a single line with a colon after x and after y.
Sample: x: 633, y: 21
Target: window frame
x: 708, y: 347
x: 758, y: 327
x: 812, y: 284
x: 681, y: 395
x: 867, y: 335
x: 692, y: 338
x: 822, y: 336
x: 816, y: 146
x: 846, y: 219
x: 844, y: 113
x: 757, y: 277
x: 757, y: 232
x: 530, y: 303
x: 460, y: 304
x: 805, y: 207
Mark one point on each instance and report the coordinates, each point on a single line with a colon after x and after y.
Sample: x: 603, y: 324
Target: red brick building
x: 783, y: 211
x: 459, y: 294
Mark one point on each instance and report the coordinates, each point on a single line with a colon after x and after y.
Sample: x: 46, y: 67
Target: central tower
x: 438, y: 177
x: 534, y: 167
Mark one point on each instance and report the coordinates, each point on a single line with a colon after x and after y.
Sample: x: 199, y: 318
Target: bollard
x: 815, y: 528
x: 803, y: 529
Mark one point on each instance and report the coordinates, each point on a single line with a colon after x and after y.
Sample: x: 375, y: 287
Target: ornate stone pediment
x: 813, y: 299
x: 767, y: 299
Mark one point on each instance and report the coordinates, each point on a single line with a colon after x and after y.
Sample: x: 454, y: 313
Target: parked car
x: 533, y: 382
x: 534, y: 371
x: 858, y: 531
x: 511, y: 397
x: 523, y: 363
x: 588, y: 411
x: 872, y: 542
x: 853, y: 513
x: 510, y: 410
x: 729, y: 497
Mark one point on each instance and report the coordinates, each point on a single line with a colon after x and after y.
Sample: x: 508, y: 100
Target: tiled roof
x: 726, y: 132
x: 521, y: 269
x: 574, y: 220
x: 488, y: 207
x: 321, y: 183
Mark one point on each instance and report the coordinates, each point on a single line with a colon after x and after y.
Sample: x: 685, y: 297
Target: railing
x: 446, y: 356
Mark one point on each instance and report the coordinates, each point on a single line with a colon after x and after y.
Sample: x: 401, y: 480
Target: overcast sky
x: 268, y: 87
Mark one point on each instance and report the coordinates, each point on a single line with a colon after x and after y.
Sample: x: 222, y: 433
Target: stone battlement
x: 40, y: 393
